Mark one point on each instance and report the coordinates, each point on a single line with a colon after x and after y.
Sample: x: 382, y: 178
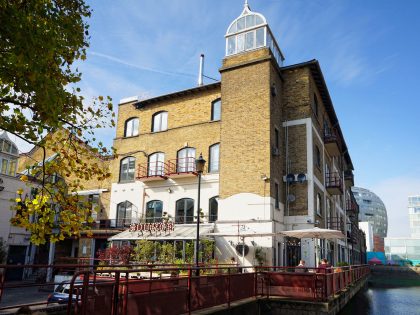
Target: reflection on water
x: 380, y: 301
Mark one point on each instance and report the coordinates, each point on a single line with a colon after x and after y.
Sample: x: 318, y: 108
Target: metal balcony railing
x: 334, y: 223
x: 332, y: 141
x: 157, y: 169
x: 349, y: 178
x: 181, y: 166
x: 109, y: 224
x: 334, y: 183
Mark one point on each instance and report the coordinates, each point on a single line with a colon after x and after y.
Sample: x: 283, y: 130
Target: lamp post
x: 199, y: 167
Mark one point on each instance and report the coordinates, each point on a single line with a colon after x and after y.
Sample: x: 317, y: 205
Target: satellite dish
x: 291, y: 198
x: 290, y: 178
x: 301, y: 178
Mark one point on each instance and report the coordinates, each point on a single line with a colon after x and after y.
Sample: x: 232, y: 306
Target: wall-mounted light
x: 169, y: 190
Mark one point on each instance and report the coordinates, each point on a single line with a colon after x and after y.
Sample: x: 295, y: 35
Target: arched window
x: 186, y: 160
x: 124, y: 213
x: 127, y: 168
x: 154, y: 211
x: 318, y: 204
x: 184, y: 211
x: 214, y: 153
x: 216, y: 107
x: 131, y: 127
x: 213, y: 208
x: 160, y: 121
x: 156, y: 164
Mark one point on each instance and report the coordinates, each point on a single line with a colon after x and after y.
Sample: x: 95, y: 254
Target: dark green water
x: 384, y: 301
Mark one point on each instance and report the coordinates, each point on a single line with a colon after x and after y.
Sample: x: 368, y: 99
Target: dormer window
x: 250, y: 31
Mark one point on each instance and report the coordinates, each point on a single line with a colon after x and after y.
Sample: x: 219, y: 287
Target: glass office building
x: 402, y: 251
x: 371, y: 209
x: 414, y: 215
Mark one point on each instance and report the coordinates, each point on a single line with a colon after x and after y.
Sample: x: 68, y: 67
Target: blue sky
x: 369, y: 53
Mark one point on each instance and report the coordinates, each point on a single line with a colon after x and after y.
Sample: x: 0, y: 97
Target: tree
x: 144, y: 251
x: 40, y: 42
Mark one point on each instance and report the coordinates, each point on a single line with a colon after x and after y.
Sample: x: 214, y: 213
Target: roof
x: 159, y: 98
x: 180, y: 232
x: 316, y: 72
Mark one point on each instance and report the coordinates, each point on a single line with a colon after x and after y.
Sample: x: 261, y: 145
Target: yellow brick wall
x: 189, y: 124
x: 245, y: 129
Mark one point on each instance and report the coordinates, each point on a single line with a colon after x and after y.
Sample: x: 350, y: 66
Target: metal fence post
x: 116, y: 293
x: 189, y: 290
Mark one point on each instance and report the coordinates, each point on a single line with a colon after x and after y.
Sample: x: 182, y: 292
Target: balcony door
x: 124, y: 213
x: 156, y: 164
x: 186, y: 160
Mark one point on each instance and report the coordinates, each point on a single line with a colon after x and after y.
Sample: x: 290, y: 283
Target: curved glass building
x: 371, y: 209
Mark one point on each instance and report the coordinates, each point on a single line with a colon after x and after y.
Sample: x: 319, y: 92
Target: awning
x: 181, y: 232
x: 315, y: 233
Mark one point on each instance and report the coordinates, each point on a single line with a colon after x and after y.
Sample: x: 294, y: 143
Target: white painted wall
x: 367, y: 227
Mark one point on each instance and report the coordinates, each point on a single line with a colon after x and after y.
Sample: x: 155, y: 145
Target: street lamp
x: 199, y: 167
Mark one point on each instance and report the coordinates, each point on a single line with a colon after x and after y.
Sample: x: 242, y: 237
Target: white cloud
x: 394, y: 193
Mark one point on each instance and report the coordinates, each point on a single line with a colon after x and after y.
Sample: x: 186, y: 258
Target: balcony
x: 349, y: 178
x: 181, y: 167
x: 354, y: 234
x: 334, y: 183
x: 335, y: 223
x: 352, y: 208
x: 332, y: 142
x: 152, y: 171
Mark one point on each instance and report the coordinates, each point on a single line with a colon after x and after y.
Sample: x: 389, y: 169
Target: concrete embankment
x: 394, y: 276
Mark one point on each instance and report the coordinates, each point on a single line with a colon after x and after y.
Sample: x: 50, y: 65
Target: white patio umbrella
x: 316, y: 233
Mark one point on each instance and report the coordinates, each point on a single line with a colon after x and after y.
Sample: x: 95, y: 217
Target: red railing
x: 181, y: 166
x: 166, y: 289
x: 152, y: 169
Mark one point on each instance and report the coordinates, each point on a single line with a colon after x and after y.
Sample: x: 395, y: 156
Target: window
x: 131, y: 127
x: 214, y: 153
x: 154, y: 211
x: 5, y: 166
x: 127, y: 168
x: 160, y: 122
x: 184, y: 211
x: 186, y: 160
x: 315, y: 105
x: 277, y: 198
x: 213, y: 209
x: 124, y: 213
x: 318, y: 204
x: 216, y: 109
x: 317, y: 157
x: 156, y: 164
x: 276, y: 138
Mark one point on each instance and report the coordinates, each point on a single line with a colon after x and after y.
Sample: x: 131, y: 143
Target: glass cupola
x: 250, y: 31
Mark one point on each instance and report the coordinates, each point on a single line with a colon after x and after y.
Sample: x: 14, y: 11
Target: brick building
x: 276, y: 157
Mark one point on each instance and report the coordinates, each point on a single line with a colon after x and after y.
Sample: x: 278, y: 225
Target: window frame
x: 185, y: 217
x: 154, y: 218
x: 216, y: 101
x: 318, y: 159
x: 127, y: 122
x: 128, y: 168
x: 186, y: 166
x: 213, y: 217
x: 156, y: 171
x: 318, y: 204
x: 210, y: 170
x: 153, y: 121
x: 125, y: 203
x: 315, y: 106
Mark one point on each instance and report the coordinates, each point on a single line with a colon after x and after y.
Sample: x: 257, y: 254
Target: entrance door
x: 16, y: 256
x: 293, y: 251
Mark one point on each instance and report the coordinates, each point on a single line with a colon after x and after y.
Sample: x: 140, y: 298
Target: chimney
x: 200, y: 71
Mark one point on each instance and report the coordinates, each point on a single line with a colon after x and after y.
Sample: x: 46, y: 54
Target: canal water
x: 384, y: 301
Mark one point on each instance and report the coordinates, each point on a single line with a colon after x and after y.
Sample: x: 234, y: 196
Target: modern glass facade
x: 414, y: 215
x: 402, y: 250
x: 371, y: 209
